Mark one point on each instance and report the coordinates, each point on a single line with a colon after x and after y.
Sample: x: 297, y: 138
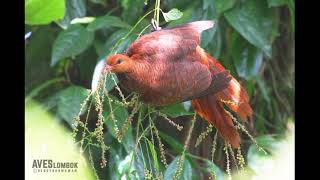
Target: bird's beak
x: 107, y: 68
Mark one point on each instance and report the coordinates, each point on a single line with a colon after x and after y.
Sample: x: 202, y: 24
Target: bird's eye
x: 119, y: 61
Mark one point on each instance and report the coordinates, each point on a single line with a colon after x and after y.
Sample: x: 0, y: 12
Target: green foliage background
x: 254, y: 39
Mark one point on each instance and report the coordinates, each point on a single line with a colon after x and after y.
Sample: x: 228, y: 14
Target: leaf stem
x: 131, y: 30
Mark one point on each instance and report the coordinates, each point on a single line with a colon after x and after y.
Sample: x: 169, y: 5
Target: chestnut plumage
x: 169, y: 66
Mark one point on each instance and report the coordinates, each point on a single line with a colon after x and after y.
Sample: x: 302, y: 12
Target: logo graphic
x: 48, y: 165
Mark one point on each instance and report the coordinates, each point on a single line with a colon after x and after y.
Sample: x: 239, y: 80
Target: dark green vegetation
x: 254, y: 39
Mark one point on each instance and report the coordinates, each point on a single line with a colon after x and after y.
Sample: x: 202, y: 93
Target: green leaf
x: 172, y: 168
x: 69, y: 101
x: 258, y: 160
x: 74, y: 9
x: 175, y: 110
x: 291, y: 6
x: 278, y: 163
x: 132, y: 10
x: 263, y: 88
x: 175, y: 145
x: 102, y: 2
x: 254, y: 21
x: 208, y: 35
x: 170, y: 4
x: 187, y: 15
x: 214, y: 46
x: 117, y: 156
x: 71, y: 42
x: 247, y: 58
x: 124, y: 165
x: 154, y: 155
x: 110, y: 83
x: 275, y: 3
x: 86, y: 65
x: 206, y: 4
x: 43, y: 11
x: 214, y: 169
x: 37, y: 54
x: 268, y: 142
x: 224, y: 5
x: 114, y: 38
x: 84, y: 20
x: 99, y: 46
x: 172, y: 15
x: 107, y: 21
x: 191, y: 13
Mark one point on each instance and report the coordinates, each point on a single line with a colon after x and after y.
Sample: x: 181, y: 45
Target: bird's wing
x: 171, y: 43
x: 219, y: 82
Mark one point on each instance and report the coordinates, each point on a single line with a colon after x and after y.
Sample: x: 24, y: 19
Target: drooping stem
x: 131, y: 30
x: 157, y: 12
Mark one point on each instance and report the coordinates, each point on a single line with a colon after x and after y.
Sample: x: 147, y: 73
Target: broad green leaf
x: 117, y: 156
x: 86, y: 64
x: 37, y: 54
x: 43, y: 11
x: 247, y: 58
x: 69, y: 102
x: 268, y: 142
x: 175, y: 145
x: 99, y: 47
x: 263, y: 88
x: 187, y: 105
x: 139, y: 163
x: 279, y: 164
x: 172, y: 15
x: 154, y: 155
x: 170, y: 4
x: 173, y: 166
x: 132, y: 10
x: 84, y: 20
x: 254, y: 21
x: 74, y: 9
x: 275, y: 3
x: 214, y: 45
x: 107, y: 21
x: 102, y: 2
x: 175, y: 110
x: 207, y: 35
x: 124, y: 165
x: 291, y: 5
x: 206, y: 4
x: 111, y: 81
x: 214, y: 169
x: 187, y: 15
x: 257, y: 159
x: 192, y: 13
x: 71, y: 42
x: 114, y: 38
x: 224, y: 5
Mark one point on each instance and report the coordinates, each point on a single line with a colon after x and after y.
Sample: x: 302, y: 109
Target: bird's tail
x: 211, y: 107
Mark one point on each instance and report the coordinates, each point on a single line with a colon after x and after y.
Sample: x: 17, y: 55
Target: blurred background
x: 65, y: 39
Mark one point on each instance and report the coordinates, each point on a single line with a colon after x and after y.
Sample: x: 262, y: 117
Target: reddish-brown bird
x: 169, y: 66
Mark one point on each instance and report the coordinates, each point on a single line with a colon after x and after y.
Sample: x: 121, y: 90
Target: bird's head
x: 119, y: 63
